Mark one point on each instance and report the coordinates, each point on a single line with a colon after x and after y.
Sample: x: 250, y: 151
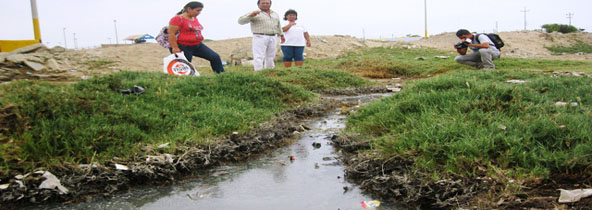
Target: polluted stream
x: 305, y: 174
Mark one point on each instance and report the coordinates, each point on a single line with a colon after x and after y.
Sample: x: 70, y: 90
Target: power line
x: 570, y: 16
x: 525, y: 11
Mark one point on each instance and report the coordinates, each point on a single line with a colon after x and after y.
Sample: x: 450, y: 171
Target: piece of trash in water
x: 121, y: 167
x: 316, y: 145
x: 570, y: 196
x: 516, y: 81
x: 370, y: 204
x: 283, y: 163
x: 317, y: 166
x: 292, y: 158
x: 51, y: 182
x: 135, y: 90
x: 345, y: 189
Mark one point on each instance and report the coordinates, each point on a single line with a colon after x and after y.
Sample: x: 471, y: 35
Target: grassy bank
x: 413, y: 63
x: 47, y: 124
x: 463, y: 122
x: 577, y: 48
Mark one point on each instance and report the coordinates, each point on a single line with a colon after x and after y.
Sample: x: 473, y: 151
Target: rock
x: 21, y: 58
x: 35, y: 66
x: 53, y: 64
x: 57, y: 49
x: 239, y: 54
x: 30, y: 48
x: 246, y: 62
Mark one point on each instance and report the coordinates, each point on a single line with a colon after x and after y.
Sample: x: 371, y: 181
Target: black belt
x: 264, y: 34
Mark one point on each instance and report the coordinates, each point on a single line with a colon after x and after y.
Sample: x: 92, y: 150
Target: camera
x: 461, y: 45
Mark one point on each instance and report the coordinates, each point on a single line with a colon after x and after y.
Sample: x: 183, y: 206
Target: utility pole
x: 74, y: 38
x: 425, y: 3
x: 525, y: 11
x: 116, y: 37
x: 363, y: 34
x: 65, y: 40
x: 570, y: 16
x: 35, y: 14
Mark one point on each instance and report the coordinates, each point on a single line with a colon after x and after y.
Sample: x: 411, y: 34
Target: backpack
x: 496, y: 39
x: 163, y: 36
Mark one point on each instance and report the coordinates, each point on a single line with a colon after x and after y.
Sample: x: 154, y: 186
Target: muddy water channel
x: 305, y: 174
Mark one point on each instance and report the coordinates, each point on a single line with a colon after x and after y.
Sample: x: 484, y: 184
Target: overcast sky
x: 92, y: 20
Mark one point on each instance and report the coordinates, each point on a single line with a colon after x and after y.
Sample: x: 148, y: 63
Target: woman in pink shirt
x: 189, y: 38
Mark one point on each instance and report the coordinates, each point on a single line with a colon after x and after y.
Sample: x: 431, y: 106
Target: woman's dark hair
x: 192, y: 5
x: 462, y: 32
x: 290, y: 12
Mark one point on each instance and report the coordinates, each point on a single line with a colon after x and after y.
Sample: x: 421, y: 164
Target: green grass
x: 400, y: 62
x: 459, y: 121
x: 315, y: 79
x: 71, y: 122
x: 579, y: 47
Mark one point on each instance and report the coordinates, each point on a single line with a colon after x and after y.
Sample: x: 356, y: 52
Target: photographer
x: 484, y: 51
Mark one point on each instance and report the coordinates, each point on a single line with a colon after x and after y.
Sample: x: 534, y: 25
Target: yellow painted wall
x: 10, y: 45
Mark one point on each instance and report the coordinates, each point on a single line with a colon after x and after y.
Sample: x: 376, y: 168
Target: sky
x: 95, y: 21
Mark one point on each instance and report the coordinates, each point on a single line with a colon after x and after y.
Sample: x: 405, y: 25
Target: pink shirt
x: 189, y: 30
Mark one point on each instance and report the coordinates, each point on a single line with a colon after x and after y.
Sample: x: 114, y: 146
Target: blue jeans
x: 202, y: 51
x: 293, y: 52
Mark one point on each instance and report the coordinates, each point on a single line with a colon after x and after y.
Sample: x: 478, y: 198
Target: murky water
x: 312, y: 179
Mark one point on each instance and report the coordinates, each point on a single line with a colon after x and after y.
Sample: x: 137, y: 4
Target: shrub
x: 560, y: 28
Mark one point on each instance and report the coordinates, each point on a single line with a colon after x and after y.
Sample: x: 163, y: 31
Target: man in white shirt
x: 265, y: 25
x: 484, y: 50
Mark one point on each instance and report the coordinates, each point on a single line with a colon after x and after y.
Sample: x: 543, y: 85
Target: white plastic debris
x: 4, y: 186
x: 121, y: 167
x: 570, y: 196
x: 442, y: 57
x: 560, y: 103
x: 51, y: 182
x: 163, y: 145
x: 516, y: 81
x: 502, y: 127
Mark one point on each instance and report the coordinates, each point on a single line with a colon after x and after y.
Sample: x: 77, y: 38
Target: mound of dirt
x: 520, y: 44
x: 148, y: 56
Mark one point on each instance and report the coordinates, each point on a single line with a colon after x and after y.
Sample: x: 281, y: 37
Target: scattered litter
x: 163, y: 145
x: 51, y: 182
x: 502, y: 127
x: 121, y: 167
x: 370, y: 204
x: 20, y: 183
x: 570, y: 196
x: 560, y: 103
x: 316, y: 145
x: 4, y: 186
x: 283, y: 163
x: 167, y: 158
x: 134, y: 90
x: 394, y: 89
x: 292, y: 158
x: 442, y: 57
x: 564, y: 104
x: 345, y: 189
x: 94, y: 165
x: 516, y: 81
x: 317, y: 166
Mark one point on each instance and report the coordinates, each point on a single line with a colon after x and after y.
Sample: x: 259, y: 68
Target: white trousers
x: 264, y: 48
